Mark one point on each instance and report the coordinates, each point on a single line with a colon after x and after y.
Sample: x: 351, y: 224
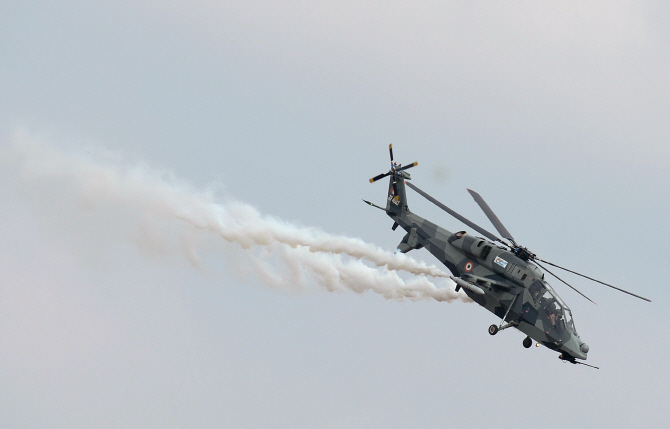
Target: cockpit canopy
x: 557, y: 311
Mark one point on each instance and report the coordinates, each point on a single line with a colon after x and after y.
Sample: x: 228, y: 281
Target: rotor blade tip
x: 372, y: 180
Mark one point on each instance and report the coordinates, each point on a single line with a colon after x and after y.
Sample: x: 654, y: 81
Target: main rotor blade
x: 408, y: 166
x: 492, y: 216
x: 391, y: 151
x: 535, y: 261
x: 379, y: 176
x: 597, y: 281
x: 472, y: 225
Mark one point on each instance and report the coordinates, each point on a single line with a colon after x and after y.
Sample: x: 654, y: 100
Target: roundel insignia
x: 469, y: 266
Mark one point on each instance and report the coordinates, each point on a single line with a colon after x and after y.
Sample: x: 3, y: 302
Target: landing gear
x: 493, y: 329
x: 527, y: 342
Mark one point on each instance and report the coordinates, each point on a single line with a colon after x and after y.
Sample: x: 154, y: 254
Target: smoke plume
x: 157, y: 209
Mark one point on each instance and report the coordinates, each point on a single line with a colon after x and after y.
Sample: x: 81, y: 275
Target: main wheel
x: 527, y: 342
x: 493, y: 329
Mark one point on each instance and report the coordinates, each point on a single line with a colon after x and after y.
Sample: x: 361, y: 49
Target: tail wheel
x: 493, y: 329
x: 527, y: 342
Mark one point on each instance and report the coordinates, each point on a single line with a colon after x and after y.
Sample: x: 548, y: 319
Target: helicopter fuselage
x: 498, y: 280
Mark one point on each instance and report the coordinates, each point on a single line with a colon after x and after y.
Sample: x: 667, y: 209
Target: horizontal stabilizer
x: 373, y: 205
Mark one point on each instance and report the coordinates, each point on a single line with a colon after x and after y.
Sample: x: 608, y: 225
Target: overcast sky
x: 113, y: 314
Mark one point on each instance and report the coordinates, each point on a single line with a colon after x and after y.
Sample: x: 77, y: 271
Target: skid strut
x: 508, y: 325
x: 493, y: 329
x: 500, y: 328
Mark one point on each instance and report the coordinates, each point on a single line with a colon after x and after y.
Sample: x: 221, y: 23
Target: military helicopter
x: 500, y: 275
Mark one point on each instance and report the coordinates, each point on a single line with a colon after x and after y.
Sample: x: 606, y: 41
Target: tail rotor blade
x: 379, y: 176
x: 391, y: 151
x: 592, y: 279
x: 408, y: 166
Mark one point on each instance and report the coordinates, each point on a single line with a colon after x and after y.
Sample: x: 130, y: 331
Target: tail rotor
x: 396, y: 169
x: 396, y: 199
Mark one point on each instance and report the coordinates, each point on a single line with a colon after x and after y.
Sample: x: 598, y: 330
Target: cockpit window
x: 557, y: 312
x: 554, y: 310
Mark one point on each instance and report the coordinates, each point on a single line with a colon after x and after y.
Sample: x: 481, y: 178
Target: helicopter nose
x: 584, y: 348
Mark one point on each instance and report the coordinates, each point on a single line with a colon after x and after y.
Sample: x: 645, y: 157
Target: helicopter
x: 500, y: 275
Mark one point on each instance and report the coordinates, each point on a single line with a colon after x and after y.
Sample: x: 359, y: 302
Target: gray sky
x: 555, y: 113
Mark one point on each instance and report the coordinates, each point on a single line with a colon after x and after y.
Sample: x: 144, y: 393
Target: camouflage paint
x: 494, y: 269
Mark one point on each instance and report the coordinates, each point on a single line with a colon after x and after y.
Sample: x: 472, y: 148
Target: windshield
x: 558, y: 314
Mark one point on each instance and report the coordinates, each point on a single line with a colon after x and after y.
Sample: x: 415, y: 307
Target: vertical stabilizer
x: 396, y: 200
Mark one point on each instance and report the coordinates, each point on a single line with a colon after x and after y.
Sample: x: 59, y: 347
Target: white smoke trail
x: 283, y: 254
x: 241, y: 223
x: 300, y: 267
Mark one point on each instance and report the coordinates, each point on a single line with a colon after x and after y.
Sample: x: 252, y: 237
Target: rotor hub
x: 523, y: 253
